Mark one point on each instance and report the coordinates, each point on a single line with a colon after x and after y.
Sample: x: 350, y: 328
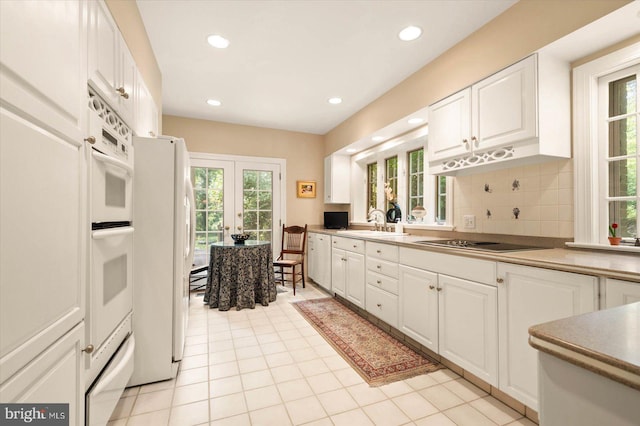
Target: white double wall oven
x: 110, y: 343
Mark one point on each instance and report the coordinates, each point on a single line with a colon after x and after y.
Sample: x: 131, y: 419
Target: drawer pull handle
x: 378, y: 251
x: 379, y: 282
x: 379, y: 305
x: 355, y: 246
x: 378, y: 266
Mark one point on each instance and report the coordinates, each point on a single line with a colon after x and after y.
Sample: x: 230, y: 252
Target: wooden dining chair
x: 291, y: 255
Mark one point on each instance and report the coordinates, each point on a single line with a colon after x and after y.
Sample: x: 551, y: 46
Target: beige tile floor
x: 268, y: 366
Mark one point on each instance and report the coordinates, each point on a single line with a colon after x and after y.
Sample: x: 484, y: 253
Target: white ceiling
x: 286, y: 58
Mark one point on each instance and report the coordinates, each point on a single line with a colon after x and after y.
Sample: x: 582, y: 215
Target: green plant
x: 612, y: 229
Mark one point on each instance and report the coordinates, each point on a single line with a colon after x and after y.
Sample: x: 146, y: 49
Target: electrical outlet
x: 469, y: 221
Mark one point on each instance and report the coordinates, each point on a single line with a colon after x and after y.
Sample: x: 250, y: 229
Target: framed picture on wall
x: 306, y: 188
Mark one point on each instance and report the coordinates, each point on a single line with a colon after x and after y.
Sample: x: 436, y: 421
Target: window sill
x: 423, y: 226
x: 620, y: 248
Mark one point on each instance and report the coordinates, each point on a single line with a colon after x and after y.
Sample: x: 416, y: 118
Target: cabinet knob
x: 431, y: 287
x: 379, y: 282
x: 378, y: 266
x: 122, y: 92
x: 378, y: 251
x: 152, y: 134
x: 465, y: 141
x: 355, y: 246
x: 499, y: 280
x: 239, y: 228
x: 474, y: 140
x: 88, y: 349
x: 91, y: 140
x: 379, y: 305
x: 439, y: 288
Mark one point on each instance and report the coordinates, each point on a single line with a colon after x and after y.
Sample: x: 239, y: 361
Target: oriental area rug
x: 377, y: 356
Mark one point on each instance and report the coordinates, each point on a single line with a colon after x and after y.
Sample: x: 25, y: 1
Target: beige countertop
x: 605, y: 342
x: 624, y: 266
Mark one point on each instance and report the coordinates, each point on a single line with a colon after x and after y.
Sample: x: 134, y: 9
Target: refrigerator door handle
x: 192, y: 224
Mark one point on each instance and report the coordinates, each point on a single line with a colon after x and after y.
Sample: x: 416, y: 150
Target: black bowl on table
x: 239, y: 238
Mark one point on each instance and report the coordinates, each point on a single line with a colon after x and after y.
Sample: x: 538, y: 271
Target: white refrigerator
x: 164, y: 218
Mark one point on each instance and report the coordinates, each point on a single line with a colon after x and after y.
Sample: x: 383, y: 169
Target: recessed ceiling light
x: 218, y: 41
x: 335, y: 101
x: 214, y: 102
x: 415, y: 120
x: 377, y: 138
x: 352, y: 150
x: 410, y: 33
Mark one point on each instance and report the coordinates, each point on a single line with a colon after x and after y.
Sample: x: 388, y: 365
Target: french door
x: 234, y: 197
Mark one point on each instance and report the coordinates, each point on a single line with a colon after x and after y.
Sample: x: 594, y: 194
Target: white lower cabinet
x: 347, y: 270
x: 382, y: 282
x: 382, y: 304
x: 468, y: 326
x: 319, y: 259
x: 618, y: 293
x: 54, y: 376
x: 418, y: 314
x: 529, y: 296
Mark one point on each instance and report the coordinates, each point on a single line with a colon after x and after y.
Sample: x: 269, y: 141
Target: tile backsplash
x: 535, y: 200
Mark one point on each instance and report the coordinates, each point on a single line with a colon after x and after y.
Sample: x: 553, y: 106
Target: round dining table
x: 240, y: 275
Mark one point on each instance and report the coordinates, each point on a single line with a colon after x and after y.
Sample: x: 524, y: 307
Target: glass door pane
x: 258, y: 201
x: 213, y: 189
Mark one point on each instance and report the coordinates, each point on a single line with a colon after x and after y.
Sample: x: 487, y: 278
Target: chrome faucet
x: 384, y: 218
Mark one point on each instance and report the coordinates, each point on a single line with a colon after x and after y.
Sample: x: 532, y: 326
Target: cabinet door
x: 618, y: 293
x: 42, y: 266
x: 418, y: 303
x: 146, y: 114
x: 468, y: 326
x: 530, y: 296
x: 355, y: 279
x: 337, y: 178
x: 126, y: 83
x: 104, y: 73
x: 43, y: 65
x: 323, y: 265
x: 450, y: 126
x: 55, y: 376
x: 311, y: 255
x: 504, y: 106
x: 338, y: 268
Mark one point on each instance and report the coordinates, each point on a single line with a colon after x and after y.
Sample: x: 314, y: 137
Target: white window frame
x: 589, y: 222
x: 399, y: 146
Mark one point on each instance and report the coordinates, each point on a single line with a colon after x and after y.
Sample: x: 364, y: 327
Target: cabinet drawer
x: 382, y: 267
x: 382, y: 251
x: 382, y: 281
x: 383, y: 305
x: 349, y: 244
x: 478, y: 270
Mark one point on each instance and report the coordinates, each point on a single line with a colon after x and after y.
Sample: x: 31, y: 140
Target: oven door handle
x: 113, y: 161
x: 101, y: 234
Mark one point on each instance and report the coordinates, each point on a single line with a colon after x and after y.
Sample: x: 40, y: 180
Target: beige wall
x: 129, y: 21
x: 520, y: 30
x: 303, y: 153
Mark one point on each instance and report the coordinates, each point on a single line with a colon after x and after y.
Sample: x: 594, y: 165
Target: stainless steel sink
x: 479, y: 245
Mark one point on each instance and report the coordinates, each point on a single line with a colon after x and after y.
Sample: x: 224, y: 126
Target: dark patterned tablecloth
x: 240, y: 275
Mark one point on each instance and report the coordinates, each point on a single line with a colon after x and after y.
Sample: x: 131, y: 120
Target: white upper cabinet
x: 450, y: 126
x: 146, y: 116
x: 520, y: 114
x: 337, y: 179
x: 45, y: 78
x: 112, y: 70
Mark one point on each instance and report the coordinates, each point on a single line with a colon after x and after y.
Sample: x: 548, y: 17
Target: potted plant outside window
x: 614, y: 240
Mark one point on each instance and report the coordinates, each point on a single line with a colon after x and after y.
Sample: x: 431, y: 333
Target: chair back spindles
x: 292, y: 253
